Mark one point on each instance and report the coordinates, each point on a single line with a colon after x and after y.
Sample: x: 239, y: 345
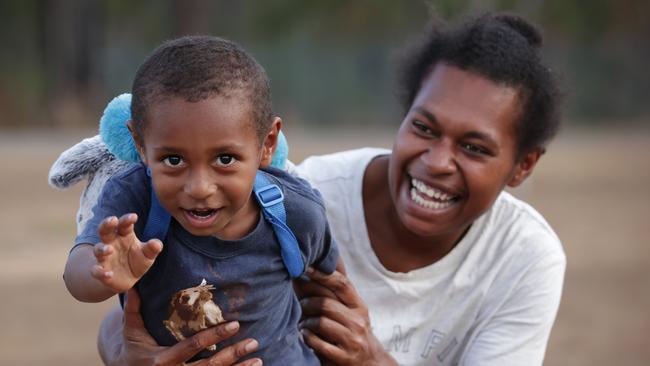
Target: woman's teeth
x: 429, y: 197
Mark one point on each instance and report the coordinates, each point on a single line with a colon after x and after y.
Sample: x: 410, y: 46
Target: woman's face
x: 455, y: 152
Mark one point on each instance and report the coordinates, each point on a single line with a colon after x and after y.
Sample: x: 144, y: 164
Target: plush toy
x: 113, y: 150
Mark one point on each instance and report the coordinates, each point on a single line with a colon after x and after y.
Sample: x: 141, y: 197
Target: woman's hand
x: 129, y: 343
x: 336, y: 322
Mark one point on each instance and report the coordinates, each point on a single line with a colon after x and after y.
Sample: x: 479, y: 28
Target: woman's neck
x: 397, y: 248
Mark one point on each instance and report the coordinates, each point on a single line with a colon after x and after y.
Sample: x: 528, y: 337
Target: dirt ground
x: 592, y: 187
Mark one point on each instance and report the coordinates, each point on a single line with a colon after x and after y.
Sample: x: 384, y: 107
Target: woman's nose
x: 439, y: 158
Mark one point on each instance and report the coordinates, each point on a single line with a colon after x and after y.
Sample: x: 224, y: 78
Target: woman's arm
x: 123, y: 340
x: 336, y: 322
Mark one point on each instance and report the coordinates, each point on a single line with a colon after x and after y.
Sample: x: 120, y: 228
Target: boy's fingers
x: 100, y: 273
x: 152, y: 248
x: 100, y: 250
x: 107, y: 229
x: 125, y: 224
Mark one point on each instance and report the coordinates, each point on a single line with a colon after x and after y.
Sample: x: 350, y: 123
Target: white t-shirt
x: 491, y: 301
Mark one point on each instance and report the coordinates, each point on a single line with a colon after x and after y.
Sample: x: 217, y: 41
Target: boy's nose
x: 199, y: 185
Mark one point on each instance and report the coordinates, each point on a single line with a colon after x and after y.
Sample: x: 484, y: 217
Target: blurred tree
x: 71, y: 39
x: 329, y: 61
x: 190, y: 16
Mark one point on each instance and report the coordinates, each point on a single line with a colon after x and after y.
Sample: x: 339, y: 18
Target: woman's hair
x: 503, y: 48
x: 197, y: 68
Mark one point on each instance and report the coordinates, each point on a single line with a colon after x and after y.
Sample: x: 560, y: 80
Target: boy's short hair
x: 196, y: 68
x: 503, y: 48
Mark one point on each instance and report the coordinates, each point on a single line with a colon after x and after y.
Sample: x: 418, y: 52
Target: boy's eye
x: 173, y: 160
x: 225, y: 160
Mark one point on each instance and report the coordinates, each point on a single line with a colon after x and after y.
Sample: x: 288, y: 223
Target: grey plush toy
x: 89, y: 159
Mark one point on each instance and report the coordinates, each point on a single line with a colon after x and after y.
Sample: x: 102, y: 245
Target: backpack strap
x: 158, y: 219
x: 270, y: 198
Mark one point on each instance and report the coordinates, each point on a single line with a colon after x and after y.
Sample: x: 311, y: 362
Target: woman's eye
x: 173, y: 160
x: 225, y: 160
x: 421, y: 127
x: 476, y: 149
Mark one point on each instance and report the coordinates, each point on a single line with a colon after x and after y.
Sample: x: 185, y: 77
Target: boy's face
x: 203, y: 158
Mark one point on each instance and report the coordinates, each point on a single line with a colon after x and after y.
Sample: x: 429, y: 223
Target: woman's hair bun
x: 521, y: 26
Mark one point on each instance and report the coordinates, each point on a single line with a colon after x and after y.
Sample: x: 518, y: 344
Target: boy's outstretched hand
x: 122, y: 259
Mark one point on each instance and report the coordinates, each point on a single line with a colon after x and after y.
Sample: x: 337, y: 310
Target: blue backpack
x: 270, y: 198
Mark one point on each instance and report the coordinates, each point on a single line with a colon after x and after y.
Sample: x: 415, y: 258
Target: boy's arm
x: 95, y: 273
x: 324, y: 254
x: 81, y: 285
x: 328, y: 255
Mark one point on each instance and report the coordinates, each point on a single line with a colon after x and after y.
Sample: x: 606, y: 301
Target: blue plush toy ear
x: 114, y: 131
x: 281, y: 153
x: 118, y: 139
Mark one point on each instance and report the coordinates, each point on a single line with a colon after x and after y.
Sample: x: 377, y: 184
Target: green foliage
x: 581, y: 21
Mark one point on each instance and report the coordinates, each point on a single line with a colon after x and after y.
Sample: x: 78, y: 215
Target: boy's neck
x: 243, y: 223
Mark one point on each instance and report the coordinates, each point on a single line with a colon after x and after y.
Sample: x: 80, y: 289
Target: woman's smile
x: 429, y: 197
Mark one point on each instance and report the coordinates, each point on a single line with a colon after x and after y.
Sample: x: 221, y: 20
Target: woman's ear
x: 138, y: 144
x: 524, y: 167
x: 270, y: 142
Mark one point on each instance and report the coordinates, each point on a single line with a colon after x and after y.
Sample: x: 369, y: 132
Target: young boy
x: 203, y: 126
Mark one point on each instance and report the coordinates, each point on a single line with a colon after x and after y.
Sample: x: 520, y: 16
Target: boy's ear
x: 524, y: 167
x: 138, y: 146
x: 270, y: 142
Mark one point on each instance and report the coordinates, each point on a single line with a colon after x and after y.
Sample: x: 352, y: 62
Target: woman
x: 449, y: 268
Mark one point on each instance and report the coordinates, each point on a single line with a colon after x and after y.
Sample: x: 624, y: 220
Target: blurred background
x: 331, y: 70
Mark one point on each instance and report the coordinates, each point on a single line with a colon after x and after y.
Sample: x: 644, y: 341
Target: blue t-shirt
x: 251, y: 283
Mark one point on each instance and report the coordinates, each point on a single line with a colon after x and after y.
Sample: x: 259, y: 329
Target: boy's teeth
x: 202, y: 213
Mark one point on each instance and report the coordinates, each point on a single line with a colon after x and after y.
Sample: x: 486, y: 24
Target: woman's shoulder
x: 343, y: 164
x: 512, y: 241
x: 293, y: 186
x: 521, y: 225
